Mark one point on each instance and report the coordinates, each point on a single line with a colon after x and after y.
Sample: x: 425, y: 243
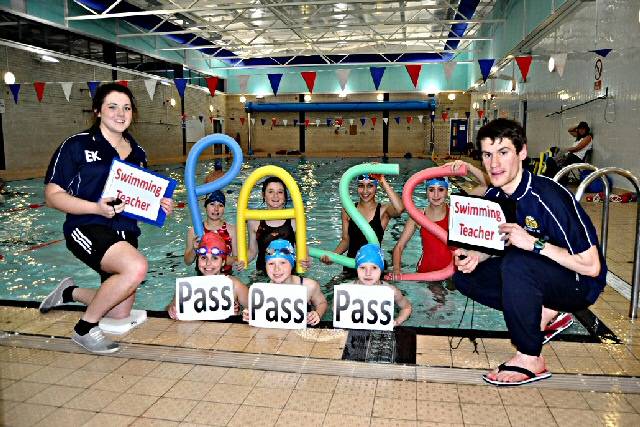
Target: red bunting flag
x: 309, y: 78
x: 306, y: 123
x: 124, y: 83
x: 373, y: 120
x: 409, y: 119
x: 339, y: 122
x: 39, y: 86
x: 445, y: 115
x: 480, y: 113
x: 524, y: 62
x: 212, y: 84
x: 414, y: 73
x: 242, y: 119
x: 274, y: 121
x: 184, y: 117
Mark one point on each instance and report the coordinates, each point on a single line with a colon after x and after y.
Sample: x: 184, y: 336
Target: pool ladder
x: 602, y: 173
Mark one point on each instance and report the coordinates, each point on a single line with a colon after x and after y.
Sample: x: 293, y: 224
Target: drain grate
x: 398, y: 346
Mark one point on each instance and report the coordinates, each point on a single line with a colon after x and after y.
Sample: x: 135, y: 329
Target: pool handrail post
x: 635, y: 278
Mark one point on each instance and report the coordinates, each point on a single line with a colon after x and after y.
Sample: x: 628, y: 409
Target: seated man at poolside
x: 551, y: 263
x: 212, y: 257
x: 369, y: 267
x: 280, y: 260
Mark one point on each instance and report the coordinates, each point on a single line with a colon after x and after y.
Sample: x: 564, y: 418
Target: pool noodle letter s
x: 352, y: 210
x: 297, y: 212
x: 423, y: 221
x: 190, y: 175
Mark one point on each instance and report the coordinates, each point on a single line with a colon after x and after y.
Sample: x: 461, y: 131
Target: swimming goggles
x: 203, y: 251
x: 281, y: 251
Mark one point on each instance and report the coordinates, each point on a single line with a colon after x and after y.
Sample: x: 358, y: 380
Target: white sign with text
x: 278, y: 306
x: 363, y: 307
x: 204, y: 298
x: 475, y: 221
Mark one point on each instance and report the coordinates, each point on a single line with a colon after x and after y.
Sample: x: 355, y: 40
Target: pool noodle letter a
x: 352, y: 210
x: 190, y: 175
x: 297, y: 212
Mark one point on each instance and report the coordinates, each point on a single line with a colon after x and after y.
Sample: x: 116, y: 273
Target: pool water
x: 34, y: 258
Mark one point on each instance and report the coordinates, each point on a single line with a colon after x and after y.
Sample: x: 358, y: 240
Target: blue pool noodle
x: 194, y: 191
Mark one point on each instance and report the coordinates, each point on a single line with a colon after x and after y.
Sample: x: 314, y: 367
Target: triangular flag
x: 409, y: 119
x: 376, y: 75
x: 467, y: 114
x: 455, y: 115
x: 124, y: 83
x: 602, y: 52
x: 363, y: 121
x: 343, y: 76
x: 150, y: 84
x: 201, y: 118
x: 285, y: 121
x: 66, y: 89
x: 373, y: 120
x: 432, y: 116
x: 92, y: 88
x: 339, y: 122
x: 385, y: 120
x: 242, y: 119
x: 524, y: 62
x: 212, y: 84
x: 253, y: 121
x: 15, y: 90
x: 420, y: 117
x: 39, y: 86
x: 180, y: 85
x: 317, y: 122
x: 397, y: 119
x: 309, y: 78
x: 448, y: 68
x: 295, y: 122
x: 243, y: 79
x: 329, y: 122
x: 263, y: 121
x: 480, y: 113
x: 445, y: 115
x: 306, y: 123
x: 351, y: 121
x: 274, y: 80
x: 414, y: 73
x: 485, y: 67
x: 560, y: 61
x: 274, y: 121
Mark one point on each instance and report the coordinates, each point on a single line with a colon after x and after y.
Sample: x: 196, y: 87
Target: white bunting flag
x: 448, y: 69
x: 317, y: 122
x: 560, y: 60
x: 150, y: 84
x: 285, y: 121
x: 420, y: 117
x: 243, y: 80
x: 253, y: 121
x: 350, y: 121
x: 66, y: 88
x: 343, y: 76
x: 385, y: 120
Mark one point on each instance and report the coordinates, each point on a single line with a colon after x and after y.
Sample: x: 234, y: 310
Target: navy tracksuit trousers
x: 519, y: 284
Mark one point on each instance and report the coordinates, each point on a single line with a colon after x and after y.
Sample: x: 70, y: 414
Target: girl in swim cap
x: 212, y: 257
x: 369, y: 267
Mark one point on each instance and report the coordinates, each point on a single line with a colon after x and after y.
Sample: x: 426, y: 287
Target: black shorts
x: 90, y: 242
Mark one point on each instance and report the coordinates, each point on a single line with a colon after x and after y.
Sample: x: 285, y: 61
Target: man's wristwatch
x: 538, y: 245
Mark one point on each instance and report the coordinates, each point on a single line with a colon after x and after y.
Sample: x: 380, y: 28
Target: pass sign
x: 140, y: 190
x: 278, y: 306
x: 474, y: 221
x: 363, y: 307
x: 204, y: 298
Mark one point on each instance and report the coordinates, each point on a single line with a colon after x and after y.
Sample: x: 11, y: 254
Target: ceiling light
x: 307, y: 98
x: 259, y: 96
x: 475, y: 105
x: 164, y: 82
x: 243, y: 99
x: 380, y: 97
x: 9, y: 78
x: 451, y: 97
x: 48, y: 58
x: 172, y: 102
x: 552, y: 64
x: 342, y: 94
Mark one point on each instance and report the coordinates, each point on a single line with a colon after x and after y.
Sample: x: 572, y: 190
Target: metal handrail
x: 635, y: 280
x: 604, y: 224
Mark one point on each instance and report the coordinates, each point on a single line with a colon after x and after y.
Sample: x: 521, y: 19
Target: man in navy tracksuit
x: 551, y: 263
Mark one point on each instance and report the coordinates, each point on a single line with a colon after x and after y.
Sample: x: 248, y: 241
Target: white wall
x: 616, y: 123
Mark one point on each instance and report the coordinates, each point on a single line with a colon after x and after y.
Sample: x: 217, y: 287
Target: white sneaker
x: 55, y: 297
x: 95, y: 341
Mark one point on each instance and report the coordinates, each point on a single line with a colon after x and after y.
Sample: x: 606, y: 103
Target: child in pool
x: 212, y: 256
x: 280, y: 260
x: 369, y: 266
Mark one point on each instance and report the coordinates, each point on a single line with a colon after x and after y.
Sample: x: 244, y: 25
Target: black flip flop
x: 531, y: 377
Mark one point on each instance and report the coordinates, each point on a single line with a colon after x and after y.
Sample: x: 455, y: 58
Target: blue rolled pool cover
x: 428, y: 105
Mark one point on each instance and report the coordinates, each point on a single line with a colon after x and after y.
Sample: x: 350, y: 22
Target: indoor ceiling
x: 283, y: 32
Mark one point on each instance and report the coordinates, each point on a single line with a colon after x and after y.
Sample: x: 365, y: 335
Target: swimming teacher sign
x: 140, y: 190
x: 474, y: 222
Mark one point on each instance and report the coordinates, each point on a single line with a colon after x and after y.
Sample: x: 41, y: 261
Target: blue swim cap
x: 216, y: 196
x: 370, y: 253
x: 281, y: 248
x: 367, y: 177
x: 439, y: 181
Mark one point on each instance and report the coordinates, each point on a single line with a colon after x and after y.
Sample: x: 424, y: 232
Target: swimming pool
x: 35, y: 258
